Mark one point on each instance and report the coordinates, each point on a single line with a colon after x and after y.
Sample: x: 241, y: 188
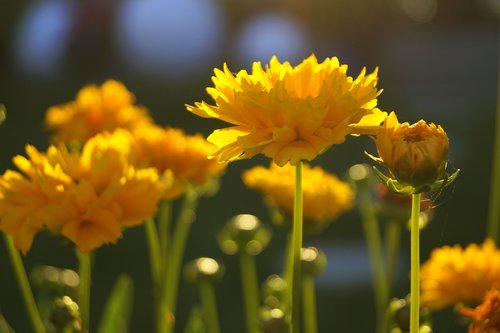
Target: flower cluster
x: 454, y: 274
x: 325, y: 196
x: 87, y: 196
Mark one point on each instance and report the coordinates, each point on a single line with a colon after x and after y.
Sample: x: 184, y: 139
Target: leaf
x: 117, y: 313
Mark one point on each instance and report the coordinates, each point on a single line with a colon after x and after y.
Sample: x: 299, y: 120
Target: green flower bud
x: 203, y: 269
x: 246, y: 233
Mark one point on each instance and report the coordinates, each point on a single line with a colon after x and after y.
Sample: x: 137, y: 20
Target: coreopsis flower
x: 88, y: 196
x: 96, y: 109
x: 453, y: 274
x: 185, y: 156
x: 416, y: 155
x: 486, y: 316
x: 289, y: 113
x: 325, y: 196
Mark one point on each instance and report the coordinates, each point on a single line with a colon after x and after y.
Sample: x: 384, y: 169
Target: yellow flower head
x: 486, y: 316
x: 95, y: 109
x: 453, y: 274
x: 87, y: 196
x: 325, y: 196
x: 415, y: 154
x: 289, y: 113
x: 185, y: 156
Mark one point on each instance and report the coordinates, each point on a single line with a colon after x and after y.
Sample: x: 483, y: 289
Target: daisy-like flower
x: 96, y: 109
x: 453, y: 274
x: 289, y: 113
x: 415, y: 154
x: 325, y: 196
x: 486, y: 316
x: 185, y: 156
x: 88, y: 196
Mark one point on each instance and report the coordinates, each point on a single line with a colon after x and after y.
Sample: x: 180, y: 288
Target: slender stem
x: 154, y: 253
x: 494, y: 208
x: 374, y: 244
x: 415, y: 265
x: 250, y: 291
x: 209, y: 304
x: 297, y: 246
x: 393, y: 240
x: 24, y: 285
x: 186, y: 217
x: 288, y: 265
x: 164, y: 218
x: 309, y: 305
x: 84, y: 271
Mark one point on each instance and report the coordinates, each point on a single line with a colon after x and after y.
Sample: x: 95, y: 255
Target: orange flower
x: 486, y: 315
x: 453, y: 274
x: 289, y: 113
x: 96, y: 109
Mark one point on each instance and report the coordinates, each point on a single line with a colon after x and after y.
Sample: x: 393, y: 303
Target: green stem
x: 288, y: 263
x: 309, y: 305
x: 209, y: 304
x: 393, y: 240
x: 164, y: 218
x: 84, y: 270
x: 250, y: 291
x: 374, y: 244
x: 296, y: 248
x: 24, y: 285
x: 415, y: 265
x: 494, y: 208
x: 186, y: 217
x: 155, y: 262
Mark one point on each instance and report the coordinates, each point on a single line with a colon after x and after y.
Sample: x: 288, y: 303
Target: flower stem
x: 374, y: 243
x: 415, y: 265
x: 309, y: 305
x: 250, y: 290
x: 393, y: 240
x: 296, y: 248
x: 494, y: 209
x: 154, y: 253
x: 186, y: 217
x: 164, y: 218
x: 24, y: 285
x: 209, y: 304
x: 84, y: 270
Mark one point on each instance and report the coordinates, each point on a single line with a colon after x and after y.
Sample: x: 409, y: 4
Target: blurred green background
x: 438, y: 61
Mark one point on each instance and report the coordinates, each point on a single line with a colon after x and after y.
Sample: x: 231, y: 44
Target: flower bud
x: 273, y: 321
x: 415, y: 154
x: 246, y: 233
x: 313, y: 261
x: 65, y: 315
x: 274, y: 291
x: 203, y: 269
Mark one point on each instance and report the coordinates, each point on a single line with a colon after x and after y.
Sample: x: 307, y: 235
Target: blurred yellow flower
x: 486, y: 316
x: 453, y: 274
x: 87, y: 196
x: 95, y: 109
x: 185, y: 156
x: 415, y: 154
x: 325, y: 196
x: 289, y: 113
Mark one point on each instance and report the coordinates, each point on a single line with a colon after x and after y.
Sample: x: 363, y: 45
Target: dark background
x: 437, y: 59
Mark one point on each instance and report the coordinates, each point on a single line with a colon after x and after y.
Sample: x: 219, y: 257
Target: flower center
x: 413, y: 136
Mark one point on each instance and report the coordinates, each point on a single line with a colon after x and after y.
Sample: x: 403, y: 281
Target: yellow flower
x: 415, y: 154
x: 289, y: 113
x: 87, y: 196
x: 453, y: 274
x: 486, y: 315
x: 325, y: 196
x: 185, y: 156
x: 95, y: 109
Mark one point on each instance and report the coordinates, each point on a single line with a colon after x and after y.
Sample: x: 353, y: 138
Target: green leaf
x: 116, y: 317
x: 4, y: 326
